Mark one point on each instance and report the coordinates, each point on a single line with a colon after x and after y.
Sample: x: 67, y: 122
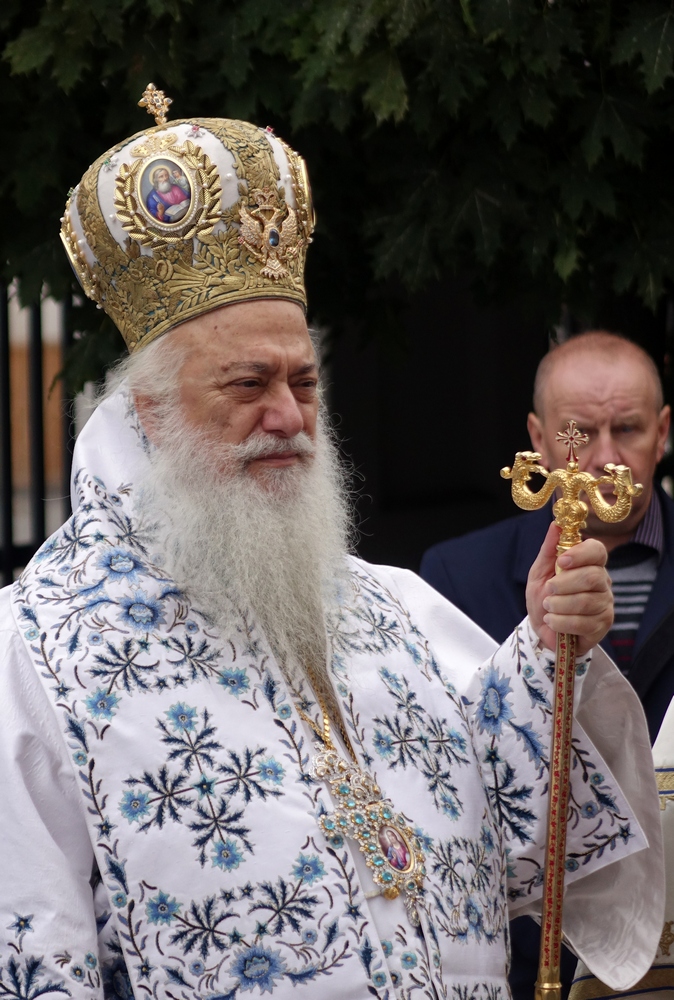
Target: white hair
x: 150, y: 371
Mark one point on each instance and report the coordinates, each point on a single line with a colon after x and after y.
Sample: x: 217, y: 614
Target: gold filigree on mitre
x: 152, y: 144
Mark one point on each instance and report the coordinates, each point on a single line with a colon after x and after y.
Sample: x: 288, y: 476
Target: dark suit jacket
x: 485, y: 574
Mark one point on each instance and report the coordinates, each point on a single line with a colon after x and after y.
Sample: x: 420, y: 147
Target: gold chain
x: 325, y: 734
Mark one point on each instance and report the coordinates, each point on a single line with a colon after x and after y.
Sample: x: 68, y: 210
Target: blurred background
x: 489, y: 176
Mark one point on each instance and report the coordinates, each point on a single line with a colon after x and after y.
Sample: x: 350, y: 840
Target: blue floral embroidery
x: 141, y: 612
x: 161, y: 909
x: 308, y: 867
x: 182, y: 717
x: 589, y: 809
x: 271, y: 770
x: 413, y: 737
x: 23, y: 981
x: 226, y: 855
x: 102, y: 704
x: 493, y: 708
x: 21, y: 924
x: 235, y: 681
x: 383, y: 744
x: 205, y: 786
x: 119, y: 563
x: 134, y: 806
x: 258, y: 966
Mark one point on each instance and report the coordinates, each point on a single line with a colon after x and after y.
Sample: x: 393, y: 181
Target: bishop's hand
x: 578, y: 599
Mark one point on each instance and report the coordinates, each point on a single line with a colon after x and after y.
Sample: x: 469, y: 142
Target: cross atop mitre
x: 156, y: 103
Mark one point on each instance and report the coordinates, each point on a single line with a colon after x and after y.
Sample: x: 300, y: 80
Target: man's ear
x: 147, y: 409
x: 663, y: 430
x: 535, y: 429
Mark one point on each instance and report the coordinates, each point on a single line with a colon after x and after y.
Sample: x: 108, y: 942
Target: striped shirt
x: 633, y: 568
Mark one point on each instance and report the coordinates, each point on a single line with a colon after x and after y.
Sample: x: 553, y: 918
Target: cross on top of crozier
x: 572, y: 438
x: 156, y: 103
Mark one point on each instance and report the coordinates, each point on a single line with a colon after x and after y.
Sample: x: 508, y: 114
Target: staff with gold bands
x: 570, y: 512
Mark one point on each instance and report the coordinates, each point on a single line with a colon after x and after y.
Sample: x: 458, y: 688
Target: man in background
x: 612, y: 389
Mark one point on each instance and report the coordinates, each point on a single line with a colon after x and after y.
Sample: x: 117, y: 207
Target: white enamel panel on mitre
x: 284, y: 169
x: 209, y: 144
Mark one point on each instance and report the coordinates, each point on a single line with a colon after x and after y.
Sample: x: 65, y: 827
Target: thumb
x: 543, y: 568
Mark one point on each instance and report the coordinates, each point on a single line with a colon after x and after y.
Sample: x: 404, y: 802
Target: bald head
x: 611, y: 388
x: 590, y: 348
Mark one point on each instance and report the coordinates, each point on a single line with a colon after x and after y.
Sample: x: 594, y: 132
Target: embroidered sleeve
x: 48, y: 939
x: 511, y: 705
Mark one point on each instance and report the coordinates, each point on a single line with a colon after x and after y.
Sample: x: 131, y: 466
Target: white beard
x: 164, y: 186
x: 272, y: 544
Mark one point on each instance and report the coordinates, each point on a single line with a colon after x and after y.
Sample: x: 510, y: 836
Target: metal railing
x: 13, y: 556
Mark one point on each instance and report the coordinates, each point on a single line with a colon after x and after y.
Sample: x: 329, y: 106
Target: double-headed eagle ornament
x: 265, y: 237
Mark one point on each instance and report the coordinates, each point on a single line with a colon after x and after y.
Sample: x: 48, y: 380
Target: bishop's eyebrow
x: 262, y: 368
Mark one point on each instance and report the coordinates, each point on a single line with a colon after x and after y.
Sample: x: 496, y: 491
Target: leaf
x: 650, y: 35
x: 567, y: 260
x: 386, y: 95
x: 366, y: 954
x: 608, y: 124
x: 506, y: 18
x: 480, y: 214
x: 580, y: 189
x: 531, y: 740
x: 552, y: 35
x: 74, y: 641
x: 117, y: 872
x: 30, y: 50
x: 536, y: 104
x: 506, y: 115
x: 404, y: 17
x: 76, y: 730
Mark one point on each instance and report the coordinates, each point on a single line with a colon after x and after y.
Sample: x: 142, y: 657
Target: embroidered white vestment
x: 172, y: 761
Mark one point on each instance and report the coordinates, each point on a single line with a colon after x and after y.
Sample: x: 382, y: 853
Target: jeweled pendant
x: 391, y: 848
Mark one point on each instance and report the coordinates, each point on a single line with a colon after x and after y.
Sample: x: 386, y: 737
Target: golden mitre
x: 186, y: 217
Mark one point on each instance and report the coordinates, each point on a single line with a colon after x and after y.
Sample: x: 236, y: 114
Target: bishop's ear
x: 148, y: 410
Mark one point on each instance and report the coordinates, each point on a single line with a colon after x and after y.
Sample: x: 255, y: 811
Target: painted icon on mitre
x: 165, y: 191
x: 394, y: 848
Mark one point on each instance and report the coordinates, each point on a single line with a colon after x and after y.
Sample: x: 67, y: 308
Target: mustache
x: 269, y: 446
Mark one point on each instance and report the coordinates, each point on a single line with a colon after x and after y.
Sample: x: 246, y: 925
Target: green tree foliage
x: 524, y: 144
